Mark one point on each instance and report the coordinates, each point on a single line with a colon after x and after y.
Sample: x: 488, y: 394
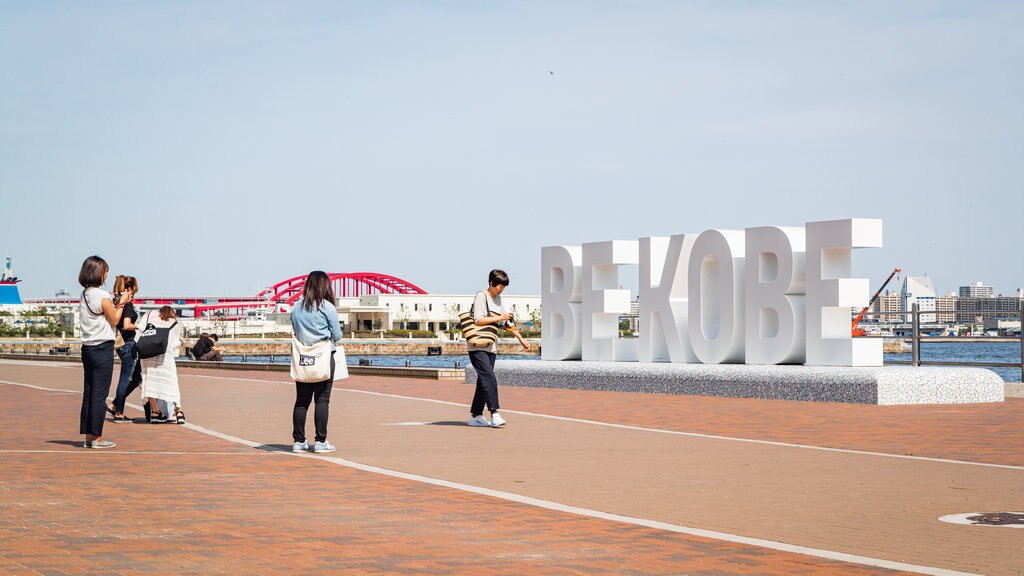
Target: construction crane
x: 860, y: 331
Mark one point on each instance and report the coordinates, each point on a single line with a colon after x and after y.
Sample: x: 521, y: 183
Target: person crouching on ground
x: 99, y: 314
x: 213, y: 355
x: 202, y: 346
x: 159, y: 373
x: 483, y: 357
x: 314, y: 319
x: 131, y: 370
x: 206, y: 348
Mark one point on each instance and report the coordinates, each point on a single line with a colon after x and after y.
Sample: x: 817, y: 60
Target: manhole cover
x: 1004, y: 519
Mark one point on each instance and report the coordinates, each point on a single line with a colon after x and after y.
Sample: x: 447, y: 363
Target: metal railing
x: 916, y: 340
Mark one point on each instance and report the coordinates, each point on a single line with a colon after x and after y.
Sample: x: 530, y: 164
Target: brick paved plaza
x: 578, y: 483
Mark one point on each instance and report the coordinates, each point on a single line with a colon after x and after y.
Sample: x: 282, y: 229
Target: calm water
x: 416, y: 361
x: 970, y: 352
x: 948, y: 351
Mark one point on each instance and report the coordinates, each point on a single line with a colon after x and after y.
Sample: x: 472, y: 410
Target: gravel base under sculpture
x: 881, y: 385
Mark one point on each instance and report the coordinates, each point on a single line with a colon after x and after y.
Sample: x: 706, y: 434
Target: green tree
x: 535, y: 316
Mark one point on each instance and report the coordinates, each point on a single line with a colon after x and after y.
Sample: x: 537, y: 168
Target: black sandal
x: 179, y: 416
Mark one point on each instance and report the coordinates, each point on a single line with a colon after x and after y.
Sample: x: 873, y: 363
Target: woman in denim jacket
x: 314, y: 319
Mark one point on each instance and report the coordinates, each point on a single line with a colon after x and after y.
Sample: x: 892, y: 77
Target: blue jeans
x: 131, y: 374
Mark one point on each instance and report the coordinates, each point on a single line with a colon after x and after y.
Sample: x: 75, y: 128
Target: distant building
x: 1004, y: 307
x: 946, y: 304
x: 431, y: 312
x: 976, y: 290
x: 918, y: 290
x: 889, y: 302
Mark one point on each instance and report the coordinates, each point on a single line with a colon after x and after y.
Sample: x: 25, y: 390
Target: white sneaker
x: 300, y: 447
x: 496, y: 420
x: 323, y: 447
x: 479, y: 421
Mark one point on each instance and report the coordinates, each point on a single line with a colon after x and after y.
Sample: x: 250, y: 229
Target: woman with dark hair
x: 99, y: 314
x: 483, y: 357
x: 131, y: 369
x: 159, y: 373
x: 314, y: 319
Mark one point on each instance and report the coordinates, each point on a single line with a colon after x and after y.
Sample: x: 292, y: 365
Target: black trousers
x: 320, y: 393
x: 486, y: 382
x: 98, y: 365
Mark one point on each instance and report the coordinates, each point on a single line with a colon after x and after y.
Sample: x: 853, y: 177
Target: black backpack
x: 153, y: 341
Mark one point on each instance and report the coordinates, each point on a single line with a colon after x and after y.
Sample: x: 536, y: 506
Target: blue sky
x: 216, y: 148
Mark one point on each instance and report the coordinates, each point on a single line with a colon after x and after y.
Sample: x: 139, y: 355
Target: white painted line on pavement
x: 46, y: 363
x: 77, y: 449
x: 606, y: 424
x: 39, y: 387
x: 656, y: 430
x: 555, y: 506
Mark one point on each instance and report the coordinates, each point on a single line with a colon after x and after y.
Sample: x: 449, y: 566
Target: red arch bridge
x: 282, y: 296
x: 278, y: 298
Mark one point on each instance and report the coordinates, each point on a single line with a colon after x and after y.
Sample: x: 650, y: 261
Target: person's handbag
x: 478, y: 336
x: 340, y: 364
x: 153, y: 341
x: 311, y: 363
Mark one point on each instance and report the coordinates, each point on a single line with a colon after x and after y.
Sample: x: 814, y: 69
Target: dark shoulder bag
x: 153, y: 341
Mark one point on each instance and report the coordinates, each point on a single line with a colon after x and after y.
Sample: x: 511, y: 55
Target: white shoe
x: 479, y: 421
x: 323, y: 447
x: 496, y: 420
x: 300, y: 447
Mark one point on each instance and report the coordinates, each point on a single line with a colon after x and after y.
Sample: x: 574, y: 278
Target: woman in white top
x: 99, y: 314
x: 159, y: 373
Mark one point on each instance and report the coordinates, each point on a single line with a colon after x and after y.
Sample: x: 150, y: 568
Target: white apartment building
x: 432, y: 312
x: 918, y: 290
x: 976, y: 290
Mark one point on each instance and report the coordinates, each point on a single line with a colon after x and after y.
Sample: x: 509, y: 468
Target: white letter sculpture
x: 831, y: 293
x: 561, y: 272
x: 716, y: 296
x: 603, y: 303
x: 663, y: 299
x: 775, y: 307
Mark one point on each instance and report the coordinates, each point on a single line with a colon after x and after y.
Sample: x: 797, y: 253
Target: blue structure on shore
x: 9, y: 286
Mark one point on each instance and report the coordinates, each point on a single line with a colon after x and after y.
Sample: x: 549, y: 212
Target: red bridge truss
x: 345, y: 284
x: 278, y: 298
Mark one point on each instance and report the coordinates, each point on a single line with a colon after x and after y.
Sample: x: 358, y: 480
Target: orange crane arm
x: 873, y: 298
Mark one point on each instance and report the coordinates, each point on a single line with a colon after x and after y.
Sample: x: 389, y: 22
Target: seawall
x: 281, y: 347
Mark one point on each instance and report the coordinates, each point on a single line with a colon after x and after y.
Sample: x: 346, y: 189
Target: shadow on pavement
x: 448, y: 423
x: 275, y: 447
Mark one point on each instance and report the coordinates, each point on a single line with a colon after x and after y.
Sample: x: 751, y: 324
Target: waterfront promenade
x: 580, y: 482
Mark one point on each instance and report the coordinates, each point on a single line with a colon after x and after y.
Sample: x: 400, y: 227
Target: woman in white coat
x: 159, y: 373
